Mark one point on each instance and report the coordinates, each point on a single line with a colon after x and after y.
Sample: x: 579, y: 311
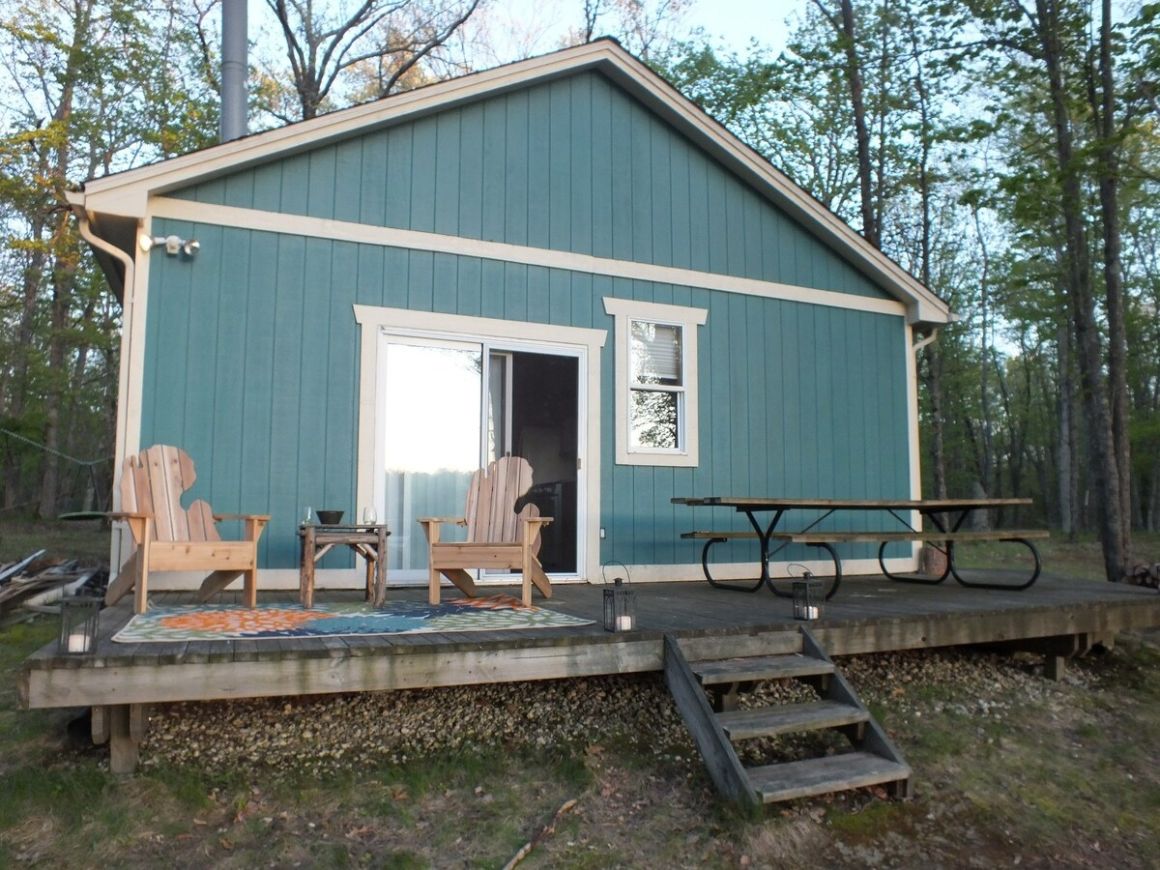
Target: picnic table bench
x: 942, y: 536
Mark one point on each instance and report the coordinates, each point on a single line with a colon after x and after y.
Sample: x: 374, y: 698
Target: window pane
x: 428, y: 467
x: 653, y: 421
x: 656, y: 353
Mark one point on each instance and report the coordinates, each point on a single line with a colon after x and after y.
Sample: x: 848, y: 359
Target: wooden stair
x: 873, y: 760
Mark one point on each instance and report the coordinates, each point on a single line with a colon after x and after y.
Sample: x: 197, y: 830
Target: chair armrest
x: 126, y: 515
x: 264, y: 518
x: 543, y: 521
x: 459, y: 521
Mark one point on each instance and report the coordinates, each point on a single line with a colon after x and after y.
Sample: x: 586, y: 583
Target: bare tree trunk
x: 843, y: 24
x: 1109, y: 179
x: 1103, y: 467
x: 1068, y: 479
x: 933, y: 355
x: 987, y: 461
x: 17, y: 383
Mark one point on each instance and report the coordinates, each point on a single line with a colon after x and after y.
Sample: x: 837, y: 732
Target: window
x: 656, y: 382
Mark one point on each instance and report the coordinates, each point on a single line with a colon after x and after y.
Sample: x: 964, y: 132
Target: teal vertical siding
x: 252, y: 350
x: 252, y: 366
x: 573, y: 164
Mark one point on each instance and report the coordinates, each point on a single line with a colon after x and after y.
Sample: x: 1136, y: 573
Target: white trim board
x: 282, y: 579
x: 347, y: 231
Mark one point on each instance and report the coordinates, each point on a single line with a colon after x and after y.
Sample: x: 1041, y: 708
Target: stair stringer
x: 721, y: 760
x: 875, y: 740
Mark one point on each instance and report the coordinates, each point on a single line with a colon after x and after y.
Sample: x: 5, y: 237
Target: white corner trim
x: 374, y: 319
x: 913, y: 443
x: 347, y: 231
x: 624, y: 311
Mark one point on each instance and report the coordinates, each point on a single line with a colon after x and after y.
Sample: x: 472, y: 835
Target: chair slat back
x: 491, y: 499
x: 153, y: 483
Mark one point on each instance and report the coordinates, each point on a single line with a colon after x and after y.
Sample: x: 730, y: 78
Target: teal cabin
x: 561, y: 259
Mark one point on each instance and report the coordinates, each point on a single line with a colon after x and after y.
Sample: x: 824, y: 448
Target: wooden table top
x: 924, y: 505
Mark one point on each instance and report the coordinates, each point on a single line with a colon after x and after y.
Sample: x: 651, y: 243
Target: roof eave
x: 127, y: 194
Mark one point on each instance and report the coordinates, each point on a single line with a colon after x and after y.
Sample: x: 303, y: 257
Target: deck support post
x: 1054, y: 667
x: 126, y: 728
x: 100, y: 725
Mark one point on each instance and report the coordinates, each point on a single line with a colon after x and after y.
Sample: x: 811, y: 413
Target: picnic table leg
x: 1012, y: 586
x: 717, y: 584
x: 764, y: 535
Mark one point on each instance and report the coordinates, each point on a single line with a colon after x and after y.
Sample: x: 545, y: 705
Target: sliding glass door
x: 450, y: 407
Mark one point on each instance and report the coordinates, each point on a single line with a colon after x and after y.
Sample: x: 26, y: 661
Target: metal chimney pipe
x: 234, y: 70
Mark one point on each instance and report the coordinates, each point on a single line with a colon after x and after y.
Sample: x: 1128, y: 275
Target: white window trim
x: 624, y: 311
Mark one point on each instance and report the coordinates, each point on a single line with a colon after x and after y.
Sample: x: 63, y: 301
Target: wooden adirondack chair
x: 170, y: 538
x: 497, y: 537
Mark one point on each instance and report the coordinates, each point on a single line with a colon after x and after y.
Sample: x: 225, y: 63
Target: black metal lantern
x: 807, y: 597
x: 619, y: 604
x: 79, y: 618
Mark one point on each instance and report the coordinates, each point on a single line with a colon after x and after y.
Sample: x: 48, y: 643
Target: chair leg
x: 526, y: 574
x: 251, y: 586
x: 141, y: 594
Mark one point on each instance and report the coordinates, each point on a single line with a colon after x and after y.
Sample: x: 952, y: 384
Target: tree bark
x: 1104, y: 476
x: 844, y: 27
x: 1108, y: 162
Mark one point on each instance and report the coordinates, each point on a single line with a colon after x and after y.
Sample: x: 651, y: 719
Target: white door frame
x: 583, y: 344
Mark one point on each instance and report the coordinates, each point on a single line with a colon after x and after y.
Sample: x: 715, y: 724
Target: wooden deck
x: 868, y: 615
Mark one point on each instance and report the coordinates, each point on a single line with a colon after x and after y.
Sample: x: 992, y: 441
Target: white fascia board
x: 922, y: 304
x: 127, y: 193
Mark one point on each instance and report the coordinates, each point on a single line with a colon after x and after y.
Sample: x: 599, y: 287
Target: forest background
x: 1005, y: 152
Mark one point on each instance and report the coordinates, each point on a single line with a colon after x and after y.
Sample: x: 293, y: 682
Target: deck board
x: 867, y: 615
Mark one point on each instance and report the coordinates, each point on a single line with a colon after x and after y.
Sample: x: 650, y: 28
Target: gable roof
x: 113, y: 204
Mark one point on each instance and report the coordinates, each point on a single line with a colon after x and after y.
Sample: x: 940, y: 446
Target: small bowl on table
x: 330, y: 518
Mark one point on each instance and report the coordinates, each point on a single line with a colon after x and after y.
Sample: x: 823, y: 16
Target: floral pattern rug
x: 235, y: 622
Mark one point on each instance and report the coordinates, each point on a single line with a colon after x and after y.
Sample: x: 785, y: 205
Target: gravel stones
x: 326, y: 733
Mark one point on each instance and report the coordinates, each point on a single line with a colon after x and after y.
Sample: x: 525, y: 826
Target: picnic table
x: 946, y: 516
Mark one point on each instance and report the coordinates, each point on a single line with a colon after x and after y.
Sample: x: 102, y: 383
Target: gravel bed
x: 335, y: 732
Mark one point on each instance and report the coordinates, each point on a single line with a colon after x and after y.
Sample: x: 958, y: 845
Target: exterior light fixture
x: 807, y: 598
x: 79, y: 619
x: 173, y: 245
x: 619, y: 604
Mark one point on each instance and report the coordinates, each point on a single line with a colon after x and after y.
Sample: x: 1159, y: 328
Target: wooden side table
x: 369, y: 540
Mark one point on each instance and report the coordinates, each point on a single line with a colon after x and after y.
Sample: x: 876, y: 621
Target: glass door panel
x: 432, y: 435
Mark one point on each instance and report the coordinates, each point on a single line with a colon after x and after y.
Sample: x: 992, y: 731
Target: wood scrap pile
x: 36, y: 582
x: 1146, y: 575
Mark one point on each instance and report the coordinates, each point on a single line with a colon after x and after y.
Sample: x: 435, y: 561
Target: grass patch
x: 1046, y: 773
x: 869, y: 821
x: 87, y: 541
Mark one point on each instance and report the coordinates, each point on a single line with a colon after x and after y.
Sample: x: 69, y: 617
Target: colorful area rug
x: 234, y: 622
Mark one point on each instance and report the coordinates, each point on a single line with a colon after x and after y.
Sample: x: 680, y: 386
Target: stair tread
x: 737, y: 670
x: 808, y: 716
x: 830, y: 773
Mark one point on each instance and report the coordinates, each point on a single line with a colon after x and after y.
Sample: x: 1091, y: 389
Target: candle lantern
x: 79, y: 617
x: 619, y: 603
x: 807, y: 597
